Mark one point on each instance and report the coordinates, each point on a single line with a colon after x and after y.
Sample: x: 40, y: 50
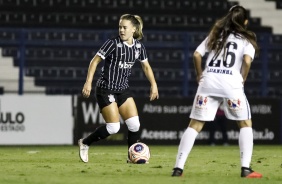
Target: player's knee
x: 133, y: 123
x: 244, y: 123
x: 113, y: 128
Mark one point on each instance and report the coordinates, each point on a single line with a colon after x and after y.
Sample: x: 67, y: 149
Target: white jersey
x: 222, y: 74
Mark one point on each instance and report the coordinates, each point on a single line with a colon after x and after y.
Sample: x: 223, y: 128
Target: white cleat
x: 83, y: 151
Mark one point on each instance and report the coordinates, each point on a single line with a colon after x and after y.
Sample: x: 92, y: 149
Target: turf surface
x: 107, y: 165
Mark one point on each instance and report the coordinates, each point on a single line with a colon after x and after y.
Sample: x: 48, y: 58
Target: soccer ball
x: 139, y: 153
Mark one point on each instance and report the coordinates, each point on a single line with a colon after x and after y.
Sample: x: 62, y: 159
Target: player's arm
x: 90, y: 75
x: 154, y: 94
x: 247, y: 61
x: 197, y: 59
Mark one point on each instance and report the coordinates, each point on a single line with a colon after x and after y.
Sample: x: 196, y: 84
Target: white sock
x: 185, y: 146
x: 246, y: 146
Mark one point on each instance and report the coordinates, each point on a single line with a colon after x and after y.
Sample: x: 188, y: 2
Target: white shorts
x: 235, y: 106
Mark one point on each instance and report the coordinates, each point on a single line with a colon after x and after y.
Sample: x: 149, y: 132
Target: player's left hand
x: 154, y: 94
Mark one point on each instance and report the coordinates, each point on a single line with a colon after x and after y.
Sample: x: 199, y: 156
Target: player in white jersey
x: 231, y: 48
x: 112, y: 90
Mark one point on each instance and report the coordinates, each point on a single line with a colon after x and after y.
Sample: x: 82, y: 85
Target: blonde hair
x: 136, y: 22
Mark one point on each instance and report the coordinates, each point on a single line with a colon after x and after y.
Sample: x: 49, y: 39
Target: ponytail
x: 137, y: 23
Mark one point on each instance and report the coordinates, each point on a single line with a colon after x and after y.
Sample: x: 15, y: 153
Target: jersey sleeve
x: 107, y: 48
x: 249, y: 50
x: 202, y: 48
x: 143, y: 55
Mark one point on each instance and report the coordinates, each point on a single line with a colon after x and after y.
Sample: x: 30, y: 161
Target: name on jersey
x: 125, y: 64
x: 222, y: 71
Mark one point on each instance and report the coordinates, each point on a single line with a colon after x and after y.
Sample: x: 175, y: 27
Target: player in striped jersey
x: 112, y: 90
x: 231, y: 49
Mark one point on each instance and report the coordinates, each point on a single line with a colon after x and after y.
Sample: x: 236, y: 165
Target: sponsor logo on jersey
x: 125, y: 64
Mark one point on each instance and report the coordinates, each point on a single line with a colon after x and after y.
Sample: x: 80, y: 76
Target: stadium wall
x: 164, y: 121
x: 62, y: 120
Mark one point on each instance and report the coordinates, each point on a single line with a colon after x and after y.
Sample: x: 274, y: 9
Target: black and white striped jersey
x: 119, y: 58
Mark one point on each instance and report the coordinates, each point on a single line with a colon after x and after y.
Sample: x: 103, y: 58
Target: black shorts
x: 105, y: 97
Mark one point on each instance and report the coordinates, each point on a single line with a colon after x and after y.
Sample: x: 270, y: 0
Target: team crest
x: 111, y: 98
x: 137, y: 54
x: 138, y: 45
x: 234, y: 104
x: 202, y: 101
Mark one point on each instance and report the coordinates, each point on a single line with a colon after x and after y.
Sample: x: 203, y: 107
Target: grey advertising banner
x: 163, y: 122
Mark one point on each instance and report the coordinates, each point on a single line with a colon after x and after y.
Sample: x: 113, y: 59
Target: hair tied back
x: 233, y: 7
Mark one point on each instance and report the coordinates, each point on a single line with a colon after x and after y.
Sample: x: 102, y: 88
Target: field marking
x: 32, y: 152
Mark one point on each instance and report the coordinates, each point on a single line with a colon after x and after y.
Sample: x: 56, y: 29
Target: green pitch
x: 107, y: 165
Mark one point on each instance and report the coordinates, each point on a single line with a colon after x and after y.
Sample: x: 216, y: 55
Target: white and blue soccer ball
x: 139, y: 153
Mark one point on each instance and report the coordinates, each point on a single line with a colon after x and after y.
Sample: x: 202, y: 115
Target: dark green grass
x: 107, y: 165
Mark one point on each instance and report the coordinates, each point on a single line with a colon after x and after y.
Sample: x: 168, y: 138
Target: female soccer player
x: 231, y: 49
x: 112, y: 90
